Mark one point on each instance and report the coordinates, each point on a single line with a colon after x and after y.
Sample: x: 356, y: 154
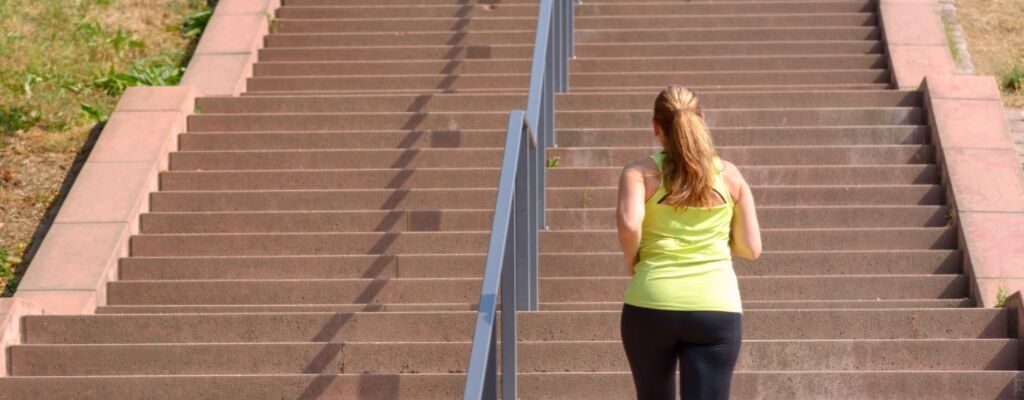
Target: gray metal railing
x: 512, y: 253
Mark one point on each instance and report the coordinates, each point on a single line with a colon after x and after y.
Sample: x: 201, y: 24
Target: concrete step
x: 583, y: 50
x: 609, y: 89
x: 475, y: 11
x: 566, y: 156
x: 522, y: 66
x: 726, y: 34
x: 467, y: 290
x: 582, y: 36
x: 458, y: 326
x: 339, y: 243
x: 734, y: 8
x: 881, y: 385
x: 296, y: 122
x: 368, y: 358
x: 578, y: 197
x: 586, y: 10
x: 781, y: 239
x: 512, y: 81
x: 406, y: 38
x: 565, y: 102
x: 728, y: 21
x: 480, y: 220
x: 288, y: 25
x: 628, y: 137
x: 572, y: 306
x: 440, y: 178
x: 595, y: 264
x: 504, y: 24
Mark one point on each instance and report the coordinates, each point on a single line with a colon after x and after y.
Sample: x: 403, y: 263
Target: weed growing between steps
x: 66, y: 64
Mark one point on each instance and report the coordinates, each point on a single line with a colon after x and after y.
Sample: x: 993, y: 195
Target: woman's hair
x: 688, y: 169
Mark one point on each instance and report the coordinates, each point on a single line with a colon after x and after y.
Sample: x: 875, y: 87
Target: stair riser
x: 684, y: 49
x: 447, y: 220
x: 427, y: 67
x: 779, y: 240
x: 480, y: 199
x: 358, y: 12
x: 582, y: 23
x: 807, y: 136
x: 565, y: 102
x: 582, y: 36
x: 450, y: 358
x: 552, y: 265
x: 458, y: 326
x: 566, y: 156
x: 300, y: 84
x: 475, y: 242
x: 488, y: 178
x: 598, y: 386
x: 753, y: 305
x: 467, y: 291
x: 565, y: 120
x: 525, y: 10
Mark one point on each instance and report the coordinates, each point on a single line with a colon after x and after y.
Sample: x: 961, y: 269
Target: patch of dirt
x: 994, y: 31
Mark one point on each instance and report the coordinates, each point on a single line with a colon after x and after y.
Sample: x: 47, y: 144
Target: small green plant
x: 950, y: 216
x: 554, y: 162
x: 16, y: 119
x: 7, y: 264
x: 195, y: 23
x: 96, y: 113
x: 586, y: 197
x: 271, y: 23
x: 1013, y: 80
x: 1001, y: 295
x: 121, y: 41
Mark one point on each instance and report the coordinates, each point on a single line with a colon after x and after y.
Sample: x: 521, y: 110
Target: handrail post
x: 521, y: 212
x: 510, y: 299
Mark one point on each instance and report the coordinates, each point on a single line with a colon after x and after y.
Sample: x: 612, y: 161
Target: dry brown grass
x: 62, y: 48
x: 994, y: 32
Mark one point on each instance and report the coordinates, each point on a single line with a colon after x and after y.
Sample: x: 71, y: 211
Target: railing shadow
x: 329, y: 331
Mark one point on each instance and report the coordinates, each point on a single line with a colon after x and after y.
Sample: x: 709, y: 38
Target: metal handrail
x: 512, y: 253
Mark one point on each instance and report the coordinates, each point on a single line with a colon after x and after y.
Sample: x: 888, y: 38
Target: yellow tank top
x: 685, y: 261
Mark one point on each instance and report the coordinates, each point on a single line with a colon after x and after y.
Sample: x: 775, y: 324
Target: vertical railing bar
x: 491, y: 378
x: 510, y: 300
x: 572, y: 31
x: 541, y: 46
x: 520, y: 210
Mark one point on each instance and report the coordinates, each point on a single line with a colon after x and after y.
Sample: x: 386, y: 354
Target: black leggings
x: 705, y: 344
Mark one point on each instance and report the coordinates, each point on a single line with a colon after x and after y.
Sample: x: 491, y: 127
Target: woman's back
x: 684, y: 256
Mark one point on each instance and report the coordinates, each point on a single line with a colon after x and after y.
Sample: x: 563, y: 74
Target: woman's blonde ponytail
x: 688, y: 169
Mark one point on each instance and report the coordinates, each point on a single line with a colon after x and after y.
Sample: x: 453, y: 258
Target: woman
x: 680, y: 214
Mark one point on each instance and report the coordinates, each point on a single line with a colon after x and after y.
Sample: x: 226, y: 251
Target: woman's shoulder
x: 732, y: 177
x: 646, y: 165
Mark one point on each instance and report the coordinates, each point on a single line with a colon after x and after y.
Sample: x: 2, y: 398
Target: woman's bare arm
x: 745, y: 240
x: 629, y: 213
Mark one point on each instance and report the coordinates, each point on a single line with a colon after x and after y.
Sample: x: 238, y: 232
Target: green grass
x: 554, y: 162
x: 947, y: 26
x: 1013, y: 80
x: 64, y: 65
x: 1001, y: 295
x: 74, y: 58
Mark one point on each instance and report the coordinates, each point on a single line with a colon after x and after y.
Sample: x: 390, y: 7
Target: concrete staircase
x: 322, y: 236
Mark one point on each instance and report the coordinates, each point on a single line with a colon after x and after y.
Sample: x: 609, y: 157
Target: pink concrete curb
x: 79, y: 254
x: 983, y: 181
x: 915, y: 41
